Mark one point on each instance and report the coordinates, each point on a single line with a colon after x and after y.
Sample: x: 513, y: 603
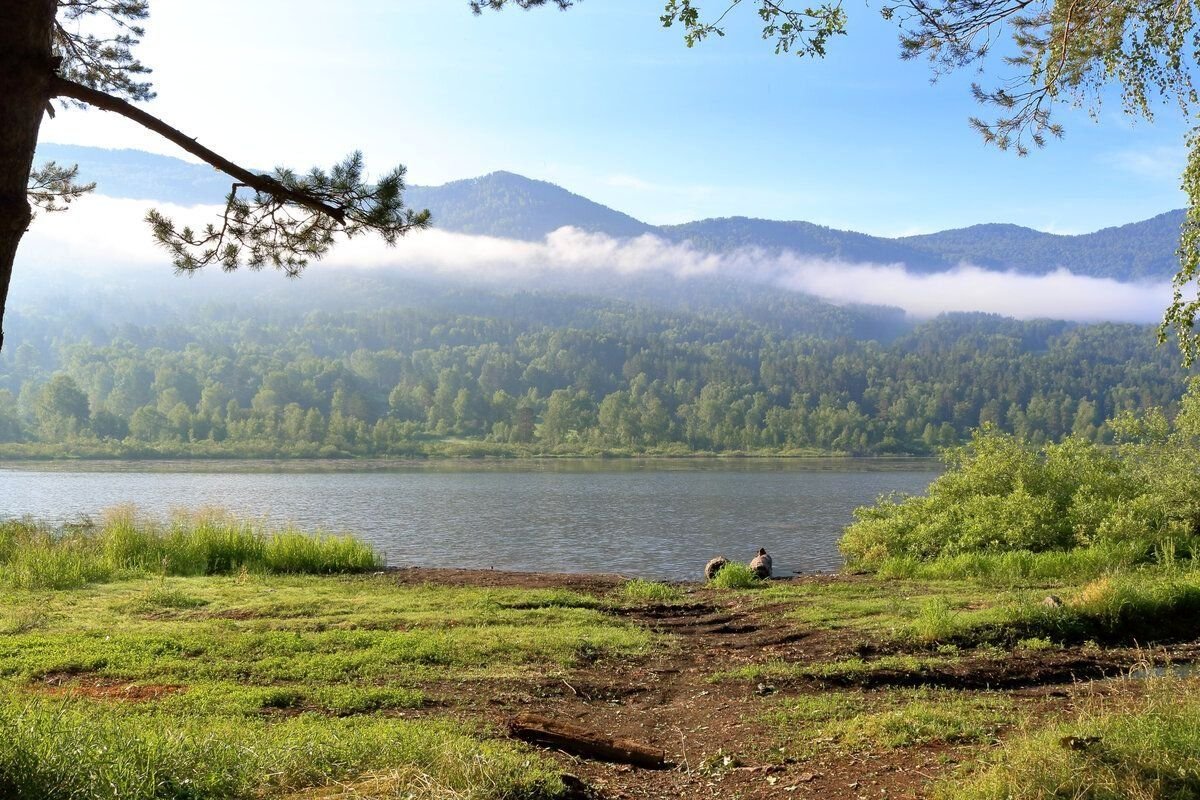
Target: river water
x: 648, y: 518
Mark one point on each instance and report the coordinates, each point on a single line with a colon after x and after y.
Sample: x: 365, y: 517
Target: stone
x: 714, y: 566
x: 760, y: 565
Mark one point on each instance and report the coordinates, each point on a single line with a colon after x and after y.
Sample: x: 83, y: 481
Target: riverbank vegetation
x: 404, y: 371
x: 125, y: 545
x: 1006, y: 508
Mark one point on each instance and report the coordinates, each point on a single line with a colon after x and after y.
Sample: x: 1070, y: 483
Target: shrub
x: 1005, y: 508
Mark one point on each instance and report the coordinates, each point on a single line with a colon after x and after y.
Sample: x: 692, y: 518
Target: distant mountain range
x: 512, y: 206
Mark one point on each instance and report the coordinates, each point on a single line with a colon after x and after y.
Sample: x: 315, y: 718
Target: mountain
x: 1139, y: 250
x: 804, y: 238
x: 140, y: 175
x: 507, y: 205
x: 515, y: 207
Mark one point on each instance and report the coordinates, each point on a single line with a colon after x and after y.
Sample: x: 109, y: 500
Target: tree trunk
x: 26, y: 67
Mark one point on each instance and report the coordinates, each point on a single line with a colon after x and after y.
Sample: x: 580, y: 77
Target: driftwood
x: 583, y: 742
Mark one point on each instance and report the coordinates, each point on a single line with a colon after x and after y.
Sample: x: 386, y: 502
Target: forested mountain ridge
x: 805, y: 239
x: 1137, y: 251
x: 507, y: 205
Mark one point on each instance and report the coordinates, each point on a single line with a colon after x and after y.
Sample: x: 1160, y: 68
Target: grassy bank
x: 123, y: 544
x: 206, y: 657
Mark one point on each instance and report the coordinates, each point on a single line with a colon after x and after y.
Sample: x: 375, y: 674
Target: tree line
x: 559, y: 376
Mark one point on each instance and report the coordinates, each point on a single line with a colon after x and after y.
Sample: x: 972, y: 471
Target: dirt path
x: 714, y: 733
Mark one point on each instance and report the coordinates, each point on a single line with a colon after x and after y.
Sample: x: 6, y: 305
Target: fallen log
x: 583, y: 742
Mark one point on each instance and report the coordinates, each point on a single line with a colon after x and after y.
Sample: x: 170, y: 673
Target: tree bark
x: 27, y: 66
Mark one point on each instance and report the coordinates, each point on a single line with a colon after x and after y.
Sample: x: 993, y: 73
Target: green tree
x: 10, y: 418
x: 568, y: 414
x: 62, y: 409
x: 107, y: 425
x: 149, y: 424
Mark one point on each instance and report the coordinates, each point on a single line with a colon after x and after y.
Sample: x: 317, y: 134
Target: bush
x: 1006, y: 508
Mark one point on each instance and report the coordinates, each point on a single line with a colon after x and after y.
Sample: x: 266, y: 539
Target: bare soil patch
x: 101, y: 688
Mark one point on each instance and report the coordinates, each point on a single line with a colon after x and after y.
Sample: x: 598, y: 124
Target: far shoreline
x: 538, y: 463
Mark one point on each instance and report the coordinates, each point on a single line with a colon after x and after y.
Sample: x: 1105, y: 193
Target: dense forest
x: 383, y: 366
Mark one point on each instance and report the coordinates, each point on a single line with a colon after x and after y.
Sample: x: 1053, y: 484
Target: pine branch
x: 52, y: 187
x: 61, y: 87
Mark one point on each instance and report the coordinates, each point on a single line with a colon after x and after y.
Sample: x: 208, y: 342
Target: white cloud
x: 1059, y: 295
x: 102, y: 233
x: 1161, y: 163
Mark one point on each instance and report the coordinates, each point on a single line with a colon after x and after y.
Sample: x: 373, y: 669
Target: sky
x: 602, y: 100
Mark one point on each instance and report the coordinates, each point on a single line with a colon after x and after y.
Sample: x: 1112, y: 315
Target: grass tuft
x: 640, y: 591
x: 737, y: 576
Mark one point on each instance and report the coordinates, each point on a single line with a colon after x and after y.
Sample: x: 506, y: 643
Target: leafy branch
x: 805, y: 32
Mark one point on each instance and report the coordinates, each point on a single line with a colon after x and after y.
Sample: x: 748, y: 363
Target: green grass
x: 1139, y: 606
x: 1018, y: 566
x: 261, y: 685
x: 735, y: 575
x: 846, y: 670
x: 73, y: 749
x: 639, y: 592
x: 33, y: 556
x: 1148, y: 752
x: 856, y: 721
x: 936, y: 622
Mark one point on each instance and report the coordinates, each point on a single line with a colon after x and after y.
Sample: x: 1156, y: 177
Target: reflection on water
x: 651, y: 518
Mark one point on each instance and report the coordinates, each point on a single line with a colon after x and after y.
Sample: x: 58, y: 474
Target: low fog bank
x: 101, y: 237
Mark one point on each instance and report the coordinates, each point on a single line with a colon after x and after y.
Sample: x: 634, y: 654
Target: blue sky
x: 602, y: 100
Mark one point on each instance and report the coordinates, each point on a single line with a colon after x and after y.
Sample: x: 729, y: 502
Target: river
x: 649, y: 518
